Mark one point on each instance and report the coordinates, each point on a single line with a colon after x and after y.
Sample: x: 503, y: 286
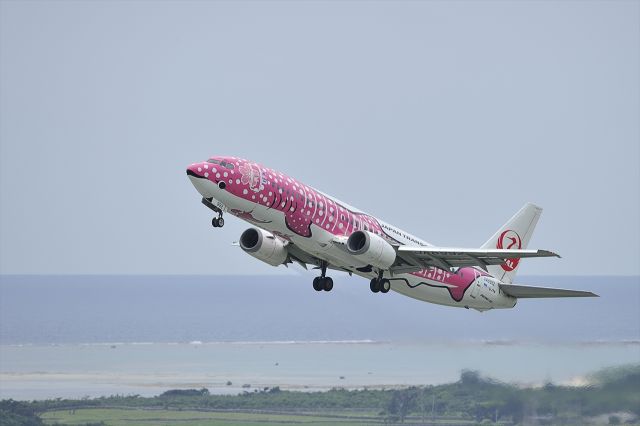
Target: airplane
x: 293, y: 222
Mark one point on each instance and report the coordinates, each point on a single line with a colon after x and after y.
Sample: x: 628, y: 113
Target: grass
x: 146, y: 417
x: 121, y: 417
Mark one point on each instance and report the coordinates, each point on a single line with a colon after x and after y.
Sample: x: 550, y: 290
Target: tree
x: 469, y: 377
x: 402, y: 402
x: 18, y: 413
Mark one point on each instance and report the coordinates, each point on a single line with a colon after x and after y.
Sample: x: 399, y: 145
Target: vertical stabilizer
x: 515, y: 234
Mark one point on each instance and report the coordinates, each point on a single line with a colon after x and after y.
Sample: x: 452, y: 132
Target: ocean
x: 76, y: 336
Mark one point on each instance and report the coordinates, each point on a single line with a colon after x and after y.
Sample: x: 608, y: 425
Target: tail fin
x: 515, y: 234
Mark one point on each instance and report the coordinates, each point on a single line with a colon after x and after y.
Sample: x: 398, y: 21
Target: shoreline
x: 76, y: 370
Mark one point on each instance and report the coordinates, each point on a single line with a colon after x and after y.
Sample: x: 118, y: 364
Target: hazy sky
x: 441, y: 118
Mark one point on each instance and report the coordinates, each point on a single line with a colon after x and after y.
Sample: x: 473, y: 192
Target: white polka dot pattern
x: 301, y: 205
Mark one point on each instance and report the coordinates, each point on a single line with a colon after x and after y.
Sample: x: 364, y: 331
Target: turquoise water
x: 36, y: 372
x: 95, y: 309
x: 75, y: 336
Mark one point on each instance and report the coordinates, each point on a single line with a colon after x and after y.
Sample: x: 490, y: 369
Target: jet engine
x: 371, y: 249
x: 263, y: 245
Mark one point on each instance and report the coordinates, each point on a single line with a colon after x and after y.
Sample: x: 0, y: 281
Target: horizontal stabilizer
x: 528, y: 292
x: 444, y: 257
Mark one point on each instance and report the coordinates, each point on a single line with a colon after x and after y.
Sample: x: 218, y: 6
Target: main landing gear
x: 380, y: 284
x: 216, y: 222
x: 323, y: 282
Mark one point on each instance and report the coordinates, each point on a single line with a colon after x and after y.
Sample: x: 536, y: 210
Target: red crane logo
x: 509, y: 239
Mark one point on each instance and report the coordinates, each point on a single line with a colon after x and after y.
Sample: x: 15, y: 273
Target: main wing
x: 446, y: 258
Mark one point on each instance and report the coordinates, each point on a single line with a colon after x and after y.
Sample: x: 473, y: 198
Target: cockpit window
x: 220, y: 162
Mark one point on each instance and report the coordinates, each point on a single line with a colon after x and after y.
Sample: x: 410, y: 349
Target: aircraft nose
x: 195, y: 170
x: 198, y: 174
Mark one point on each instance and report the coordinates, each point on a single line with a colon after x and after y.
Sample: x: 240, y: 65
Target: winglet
x: 547, y: 253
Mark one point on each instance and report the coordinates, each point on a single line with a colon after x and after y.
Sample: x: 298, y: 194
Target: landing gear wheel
x: 375, y: 285
x: 217, y: 222
x: 327, y: 283
x: 318, y: 285
x: 385, y: 285
x: 323, y: 282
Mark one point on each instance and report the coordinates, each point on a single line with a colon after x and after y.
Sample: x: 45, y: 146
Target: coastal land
x: 612, y: 396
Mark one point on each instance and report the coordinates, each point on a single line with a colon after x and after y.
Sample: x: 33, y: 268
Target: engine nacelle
x: 264, y: 245
x: 371, y: 249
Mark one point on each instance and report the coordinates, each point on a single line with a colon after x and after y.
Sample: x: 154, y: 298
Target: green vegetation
x: 613, y: 398
x: 18, y: 413
x: 118, y: 417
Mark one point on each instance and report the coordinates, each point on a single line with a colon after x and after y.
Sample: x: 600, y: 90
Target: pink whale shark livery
x: 293, y: 222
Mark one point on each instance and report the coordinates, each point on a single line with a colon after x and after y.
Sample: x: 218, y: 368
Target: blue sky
x: 442, y: 118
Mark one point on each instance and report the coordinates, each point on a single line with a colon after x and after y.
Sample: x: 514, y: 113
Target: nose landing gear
x: 217, y: 222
